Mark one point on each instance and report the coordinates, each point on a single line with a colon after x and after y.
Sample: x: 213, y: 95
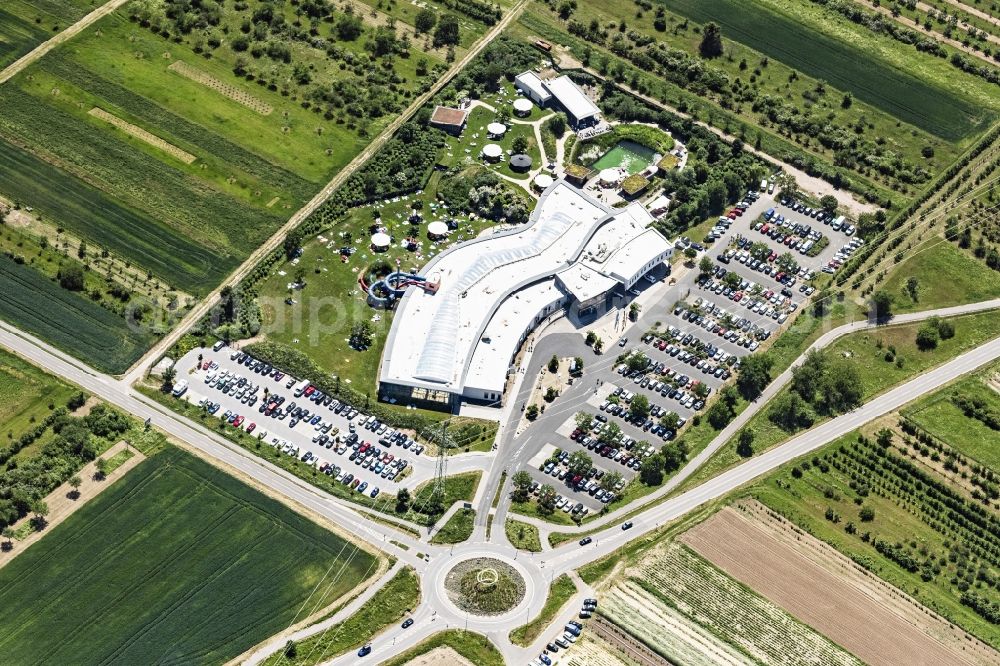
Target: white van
x: 218, y: 345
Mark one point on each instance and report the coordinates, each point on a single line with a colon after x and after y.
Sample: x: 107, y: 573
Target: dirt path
x: 440, y: 656
x: 68, y: 33
x: 968, y: 9
x: 812, y: 184
x: 954, y: 43
x: 62, y: 507
x: 199, y: 311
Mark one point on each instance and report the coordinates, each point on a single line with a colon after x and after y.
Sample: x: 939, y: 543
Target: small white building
x: 532, y: 87
x: 580, y: 109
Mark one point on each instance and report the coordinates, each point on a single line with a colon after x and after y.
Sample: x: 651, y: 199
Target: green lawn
x: 26, y: 393
x: 320, y: 321
x: 390, y: 604
x: 523, y: 536
x: 939, y: 416
x: 467, y: 149
x: 458, y: 528
x: 945, y: 276
x: 156, y: 569
x: 559, y: 593
x: 474, y: 647
x: 903, y: 515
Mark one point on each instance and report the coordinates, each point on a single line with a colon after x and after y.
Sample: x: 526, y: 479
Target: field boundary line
x: 631, y: 647
x: 136, y: 371
x: 14, y: 68
x: 143, y: 135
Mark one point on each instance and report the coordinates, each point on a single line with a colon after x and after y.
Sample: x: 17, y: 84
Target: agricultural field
x: 688, y: 611
x: 267, y: 115
x: 68, y: 320
x: 891, y: 509
x: 919, y: 89
x: 24, y: 24
x: 175, y: 587
x: 958, y: 415
x: 875, y: 621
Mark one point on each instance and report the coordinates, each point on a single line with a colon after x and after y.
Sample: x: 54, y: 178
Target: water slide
x: 384, y: 292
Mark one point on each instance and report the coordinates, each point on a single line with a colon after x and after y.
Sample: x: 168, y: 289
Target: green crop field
x: 24, y: 24
x: 265, y: 130
x: 68, y: 320
x: 913, y: 98
x: 176, y: 562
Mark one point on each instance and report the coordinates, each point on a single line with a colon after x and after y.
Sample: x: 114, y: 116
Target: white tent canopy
x: 543, y: 181
x: 492, y: 151
x: 381, y: 240
x: 523, y: 105
x: 611, y: 176
x: 496, y: 129
x: 437, y: 229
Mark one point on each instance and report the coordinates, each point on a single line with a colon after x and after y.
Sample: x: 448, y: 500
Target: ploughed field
x: 176, y: 562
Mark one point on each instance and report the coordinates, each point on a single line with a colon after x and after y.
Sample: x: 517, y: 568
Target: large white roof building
x: 493, y: 290
x: 580, y: 108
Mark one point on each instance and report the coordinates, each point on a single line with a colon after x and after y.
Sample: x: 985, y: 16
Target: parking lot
x: 294, y: 417
x: 689, y: 343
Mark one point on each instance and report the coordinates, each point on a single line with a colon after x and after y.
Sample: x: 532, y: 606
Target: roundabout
x: 484, y: 586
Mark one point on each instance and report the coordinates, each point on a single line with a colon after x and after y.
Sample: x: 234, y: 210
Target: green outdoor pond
x: 629, y: 155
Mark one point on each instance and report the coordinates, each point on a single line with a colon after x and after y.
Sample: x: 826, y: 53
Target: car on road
x: 627, y: 525
x: 407, y: 623
x: 365, y: 649
x: 585, y: 540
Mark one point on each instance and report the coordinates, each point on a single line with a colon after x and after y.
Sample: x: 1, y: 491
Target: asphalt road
x: 436, y: 611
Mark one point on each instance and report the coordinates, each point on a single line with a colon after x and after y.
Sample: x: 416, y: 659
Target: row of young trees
x: 74, y: 442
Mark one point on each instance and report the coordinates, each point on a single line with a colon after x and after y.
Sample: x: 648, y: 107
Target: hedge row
x: 298, y: 364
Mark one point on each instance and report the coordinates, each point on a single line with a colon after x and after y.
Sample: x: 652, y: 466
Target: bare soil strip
x: 635, y: 650
x: 443, y: 655
x: 232, y: 92
x: 61, y: 506
x: 143, y: 135
x: 824, y: 589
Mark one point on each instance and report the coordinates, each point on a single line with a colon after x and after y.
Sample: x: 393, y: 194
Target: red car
x: 310, y: 389
x: 238, y: 422
x: 204, y: 366
x: 250, y: 428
